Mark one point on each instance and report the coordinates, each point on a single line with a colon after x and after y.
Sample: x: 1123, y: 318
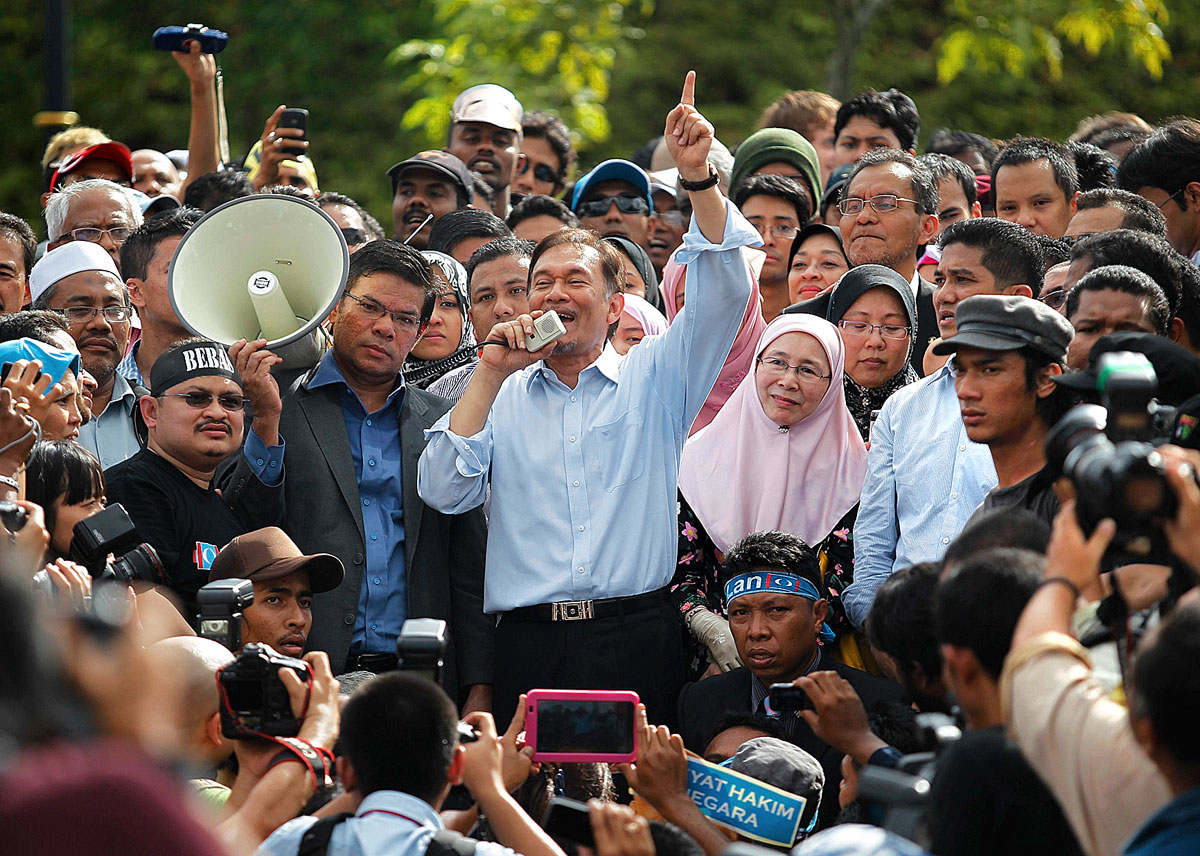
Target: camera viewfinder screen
x: 585, y: 727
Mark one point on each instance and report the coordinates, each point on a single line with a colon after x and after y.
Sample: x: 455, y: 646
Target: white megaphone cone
x: 261, y: 267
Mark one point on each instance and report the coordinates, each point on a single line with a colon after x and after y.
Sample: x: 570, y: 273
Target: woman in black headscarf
x: 876, y: 313
x: 640, y: 278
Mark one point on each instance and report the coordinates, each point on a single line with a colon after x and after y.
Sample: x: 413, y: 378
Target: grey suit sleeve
x: 256, y: 504
x: 475, y: 630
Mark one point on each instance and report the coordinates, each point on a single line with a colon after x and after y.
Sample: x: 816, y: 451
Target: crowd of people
x: 842, y: 454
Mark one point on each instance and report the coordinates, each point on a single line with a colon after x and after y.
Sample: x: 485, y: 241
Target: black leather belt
x: 580, y: 610
x: 377, y: 663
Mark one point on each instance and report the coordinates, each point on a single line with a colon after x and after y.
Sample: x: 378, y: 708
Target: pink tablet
x: 579, y: 726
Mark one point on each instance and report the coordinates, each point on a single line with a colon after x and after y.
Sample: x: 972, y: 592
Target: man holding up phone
x: 581, y: 593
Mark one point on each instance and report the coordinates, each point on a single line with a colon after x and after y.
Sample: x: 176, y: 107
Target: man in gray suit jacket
x: 353, y: 433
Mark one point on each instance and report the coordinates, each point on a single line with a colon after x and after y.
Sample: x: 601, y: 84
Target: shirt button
x: 945, y: 540
x: 358, y: 558
x: 371, y: 462
x: 572, y: 398
x: 572, y: 439
x: 580, y: 528
x: 261, y: 462
x: 962, y: 448
x: 366, y: 502
x: 368, y: 421
x: 377, y: 581
x: 577, y: 484
x: 374, y: 537
x: 274, y: 463
x: 580, y: 570
x: 954, y: 496
x: 348, y: 618
x: 372, y: 625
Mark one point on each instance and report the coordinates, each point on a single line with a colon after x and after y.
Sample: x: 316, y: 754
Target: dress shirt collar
x: 402, y: 804
x: 329, y: 373
x: 607, y: 364
x: 123, y: 392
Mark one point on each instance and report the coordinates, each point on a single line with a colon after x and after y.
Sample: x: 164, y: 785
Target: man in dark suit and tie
x: 772, y: 584
x: 354, y: 432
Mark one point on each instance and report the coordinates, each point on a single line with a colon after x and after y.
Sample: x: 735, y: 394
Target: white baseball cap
x: 70, y: 258
x: 489, y: 103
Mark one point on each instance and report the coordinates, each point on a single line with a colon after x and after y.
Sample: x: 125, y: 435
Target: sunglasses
x: 626, y: 204
x: 542, y: 173
x: 200, y: 400
x: 1054, y: 299
x: 354, y: 237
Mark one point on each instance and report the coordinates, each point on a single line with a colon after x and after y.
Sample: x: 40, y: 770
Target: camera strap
x: 318, y: 760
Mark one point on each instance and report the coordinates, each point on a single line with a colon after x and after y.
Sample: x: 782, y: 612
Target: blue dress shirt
x: 110, y: 436
x: 924, y: 480
x: 584, y: 480
x: 375, y: 446
x: 128, y: 367
x: 387, y: 823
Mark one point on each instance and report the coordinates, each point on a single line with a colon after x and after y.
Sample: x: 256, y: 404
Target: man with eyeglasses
x: 355, y: 431
x: 1165, y: 169
x: 777, y: 207
x: 80, y: 282
x: 614, y: 199
x: 1106, y: 209
x: 95, y: 210
x: 889, y: 210
x: 195, y: 420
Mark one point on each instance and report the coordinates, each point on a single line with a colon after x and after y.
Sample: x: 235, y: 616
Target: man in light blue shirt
x: 924, y: 475
x: 582, y: 448
x: 400, y: 755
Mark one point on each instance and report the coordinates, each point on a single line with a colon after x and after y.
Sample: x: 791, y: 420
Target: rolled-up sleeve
x: 876, y: 529
x: 452, y: 474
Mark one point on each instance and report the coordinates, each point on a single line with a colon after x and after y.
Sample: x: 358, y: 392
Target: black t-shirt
x: 986, y: 799
x: 186, y: 524
x: 1035, y: 493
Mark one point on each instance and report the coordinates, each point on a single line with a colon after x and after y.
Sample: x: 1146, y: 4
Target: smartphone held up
x: 581, y: 726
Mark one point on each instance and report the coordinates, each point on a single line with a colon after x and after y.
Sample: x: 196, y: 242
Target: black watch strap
x: 316, y: 762
x: 713, y: 179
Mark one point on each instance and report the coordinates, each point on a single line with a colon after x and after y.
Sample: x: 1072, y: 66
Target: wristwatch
x: 713, y: 179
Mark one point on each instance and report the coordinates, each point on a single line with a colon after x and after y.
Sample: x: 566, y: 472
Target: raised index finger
x: 689, y: 90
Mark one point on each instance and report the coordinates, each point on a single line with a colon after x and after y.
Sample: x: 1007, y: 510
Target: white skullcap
x: 73, y: 257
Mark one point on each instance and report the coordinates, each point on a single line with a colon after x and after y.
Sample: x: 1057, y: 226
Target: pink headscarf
x: 741, y: 355
x: 642, y: 311
x: 742, y: 474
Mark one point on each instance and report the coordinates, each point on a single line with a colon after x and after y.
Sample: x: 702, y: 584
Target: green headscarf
x: 778, y: 144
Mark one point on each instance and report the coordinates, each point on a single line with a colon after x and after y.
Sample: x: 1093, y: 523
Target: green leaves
x: 556, y: 55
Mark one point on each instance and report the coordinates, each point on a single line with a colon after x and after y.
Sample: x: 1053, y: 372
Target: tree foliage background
x: 378, y: 77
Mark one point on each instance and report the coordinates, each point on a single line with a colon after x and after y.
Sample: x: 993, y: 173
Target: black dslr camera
x: 220, y: 605
x: 1108, y: 452
x: 112, y: 532
x: 254, y: 700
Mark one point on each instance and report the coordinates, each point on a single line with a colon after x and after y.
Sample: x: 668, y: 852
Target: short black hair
x: 539, y: 205
x: 1054, y: 251
x: 39, y: 324
x: 498, y: 249
x: 766, y: 724
x: 1166, y: 683
x: 780, y: 551
x: 789, y: 190
x: 947, y: 142
x: 22, y: 233
x: 895, y: 723
x: 288, y: 190
x: 891, y: 109
x: 457, y: 226
x: 1168, y: 160
x: 139, y: 248
x: 924, y: 186
x: 388, y: 256
x: 1188, y: 310
x: 1011, y: 254
x: 61, y: 468
x: 1024, y: 150
x: 670, y: 840
x: 943, y: 167
x: 1110, y: 137
x: 1139, y: 213
x: 400, y: 732
x: 1008, y: 526
x: 1129, y: 280
x: 978, y: 604
x: 1150, y: 254
x: 901, y: 619
x: 374, y: 230
x: 612, y: 262
x: 214, y: 189
x: 1054, y: 406
x: 549, y: 127
x: 1096, y: 168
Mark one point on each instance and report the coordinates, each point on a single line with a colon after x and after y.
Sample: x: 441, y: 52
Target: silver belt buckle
x: 571, y: 610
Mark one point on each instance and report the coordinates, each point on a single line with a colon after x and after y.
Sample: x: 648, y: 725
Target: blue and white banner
x: 747, y: 806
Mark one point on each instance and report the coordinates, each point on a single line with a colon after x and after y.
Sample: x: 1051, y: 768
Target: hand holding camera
x: 483, y: 758
x: 836, y: 714
x: 278, y: 144
x: 199, y: 65
x: 1075, y: 557
x: 315, y: 701
x: 660, y: 773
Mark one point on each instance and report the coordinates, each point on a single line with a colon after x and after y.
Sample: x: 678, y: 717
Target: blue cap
x: 55, y: 361
x: 613, y: 170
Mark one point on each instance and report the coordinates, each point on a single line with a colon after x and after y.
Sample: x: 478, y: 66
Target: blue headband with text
x: 775, y: 582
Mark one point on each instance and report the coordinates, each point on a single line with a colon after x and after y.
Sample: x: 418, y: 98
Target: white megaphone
x: 261, y: 267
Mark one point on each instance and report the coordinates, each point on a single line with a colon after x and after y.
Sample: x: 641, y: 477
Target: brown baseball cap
x: 268, y: 554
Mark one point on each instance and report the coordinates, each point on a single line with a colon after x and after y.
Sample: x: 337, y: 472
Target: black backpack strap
x: 448, y: 843
x: 316, y: 838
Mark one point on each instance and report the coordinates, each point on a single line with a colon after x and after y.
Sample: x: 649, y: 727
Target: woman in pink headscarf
x: 783, y: 455
x: 638, y: 320
x: 741, y: 355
